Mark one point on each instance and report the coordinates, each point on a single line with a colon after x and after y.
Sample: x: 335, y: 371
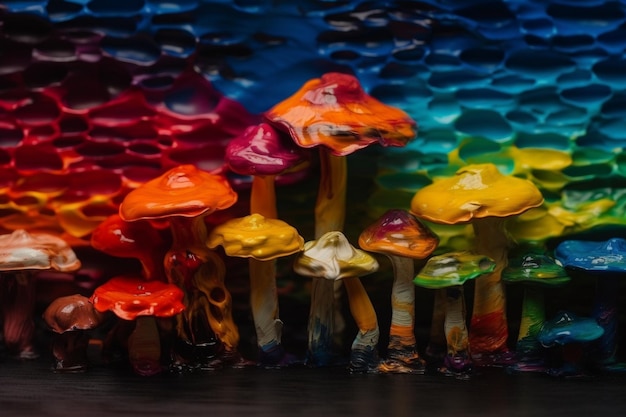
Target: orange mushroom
x: 401, y: 236
x: 335, y: 114
x: 185, y: 195
x: 21, y: 255
x: 262, y: 240
x: 133, y: 298
x: 479, y: 194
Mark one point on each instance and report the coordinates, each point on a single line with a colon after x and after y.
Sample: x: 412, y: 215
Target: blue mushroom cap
x: 607, y: 256
x: 566, y: 327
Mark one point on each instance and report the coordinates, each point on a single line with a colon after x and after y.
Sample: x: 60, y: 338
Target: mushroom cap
x: 566, y: 327
x: 333, y: 257
x: 21, y: 250
x: 70, y: 313
x: 123, y: 239
x: 476, y: 191
x: 335, y: 111
x: 398, y: 232
x: 182, y: 191
x: 130, y: 296
x: 535, y: 268
x: 261, y: 150
x: 257, y: 237
x: 452, y: 269
x: 608, y: 256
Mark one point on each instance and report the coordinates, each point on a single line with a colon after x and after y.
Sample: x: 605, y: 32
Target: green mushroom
x: 537, y: 271
x: 447, y: 273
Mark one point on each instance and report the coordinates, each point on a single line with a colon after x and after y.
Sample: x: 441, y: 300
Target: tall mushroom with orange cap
x: 184, y: 195
x: 400, y: 235
x: 479, y: 194
x: 22, y: 254
x: 332, y: 257
x: 263, y: 240
x: 132, y: 298
x: 335, y: 114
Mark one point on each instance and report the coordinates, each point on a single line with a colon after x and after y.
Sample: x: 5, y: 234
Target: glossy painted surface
x: 603, y: 256
x: 255, y: 236
x: 21, y: 250
x: 535, y: 268
x: 335, y: 111
x: 453, y: 269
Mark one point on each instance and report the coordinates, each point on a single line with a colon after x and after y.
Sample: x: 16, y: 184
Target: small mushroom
x: 606, y: 262
x: 537, y: 271
x: 336, y: 115
x: 332, y: 257
x: 401, y: 236
x: 568, y: 333
x: 22, y: 254
x: 262, y: 240
x: 70, y: 317
x: 132, y: 298
x: 184, y: 196
x: 479, y: 194
x: 447, y: 273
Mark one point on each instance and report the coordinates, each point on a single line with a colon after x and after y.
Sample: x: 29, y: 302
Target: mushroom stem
x: 402, y: 330
x: 437, y: 338
x: 329, y: 216
x: 364, y: 354
x: 144, y: 347
x: 455, y: 323
x: 200, y: 272
x: 532, y: 318
x: 489, y: 327
x: 263, y: 196
x: 264, y: 304
x: 605, y: 311
x: 17, y: 296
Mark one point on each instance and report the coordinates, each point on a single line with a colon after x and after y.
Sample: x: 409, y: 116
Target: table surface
x: 30, y: 388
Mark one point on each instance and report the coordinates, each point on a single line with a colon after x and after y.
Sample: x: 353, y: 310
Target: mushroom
x: 568, y: 333
x: 133, y: 298
x: 537, y: 271
x: 262, y: 152
x: 263, y: 240
x: 332, y: 257
x: 184, y: 196
x: 447, y: 273
x: 481, y: 195
x: 138, y: 239
x: 70, y: 317
x: 401, y: 236
x: 606, y: 262
x: 335, y: 114
x: 21, y: 255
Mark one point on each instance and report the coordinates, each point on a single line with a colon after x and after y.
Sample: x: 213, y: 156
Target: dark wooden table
x: 31, y: 389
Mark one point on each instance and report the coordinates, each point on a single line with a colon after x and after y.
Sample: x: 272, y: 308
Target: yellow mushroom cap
x: 476, y: 191
x: 257, y: 237
x: 21, y: 250
x: 182, y: 191
x: 333, y: 257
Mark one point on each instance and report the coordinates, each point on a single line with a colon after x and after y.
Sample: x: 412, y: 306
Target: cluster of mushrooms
x: 177, y: 312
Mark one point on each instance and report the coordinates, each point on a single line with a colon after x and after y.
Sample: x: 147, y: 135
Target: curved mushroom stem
x: 489, y: 327
x: 532, y: 318
x: 263, y: 292
x: 200, y: 272
x: 144, y: 347
x: 17, y: 296
x: 457, y: 360
x: 330, y: 210
x: 364, y: 355
x: 605, y: 311
x: 402, y: 351
x: 70, y: 351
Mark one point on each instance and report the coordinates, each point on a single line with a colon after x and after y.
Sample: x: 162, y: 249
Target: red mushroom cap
x: 130, y: 296
x: 335, y: 111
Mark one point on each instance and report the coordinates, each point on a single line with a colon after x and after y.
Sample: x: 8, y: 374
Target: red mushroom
x: 335, y: 114
x: 184, y: 196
